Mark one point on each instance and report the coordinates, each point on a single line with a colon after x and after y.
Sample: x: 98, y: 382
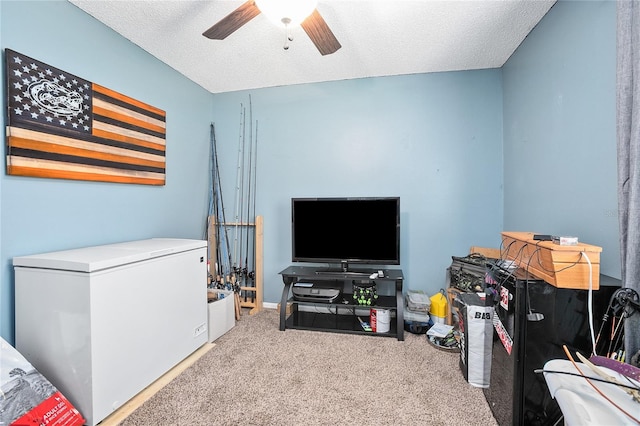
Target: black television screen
x: 346, y: 230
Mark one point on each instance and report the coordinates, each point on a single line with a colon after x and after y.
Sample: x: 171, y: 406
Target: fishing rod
x: 255, y: 228
x: 213, y: 209
x: 212, y: 198
x: 222, y: 224
x: 237, y: 197
x: 246, y: 271
x: 220, y: 218
x: 242, y: 268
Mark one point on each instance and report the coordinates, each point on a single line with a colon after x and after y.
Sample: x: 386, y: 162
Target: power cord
x: 506, y: 253
x: 500, y: 280
x: 590, y: 304
x: 553, y: 270
x: 531, y: 316
x: 596, y: 379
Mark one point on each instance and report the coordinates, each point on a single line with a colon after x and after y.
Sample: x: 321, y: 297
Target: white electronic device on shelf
x: 315, y: 292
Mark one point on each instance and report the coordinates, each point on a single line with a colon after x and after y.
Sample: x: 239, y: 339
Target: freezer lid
x: 91, y: 259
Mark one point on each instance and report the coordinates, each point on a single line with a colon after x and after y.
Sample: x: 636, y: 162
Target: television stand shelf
x: 341, y: 315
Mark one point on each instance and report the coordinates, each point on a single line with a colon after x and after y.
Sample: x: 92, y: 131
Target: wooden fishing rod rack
x: 255, y: 303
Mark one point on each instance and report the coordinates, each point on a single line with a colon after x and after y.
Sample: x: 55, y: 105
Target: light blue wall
x: 435, y: 140
x: 40, y: 215
x: 559, y: 129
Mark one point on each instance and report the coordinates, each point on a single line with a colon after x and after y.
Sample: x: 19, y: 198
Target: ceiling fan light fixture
x: 286, y: 13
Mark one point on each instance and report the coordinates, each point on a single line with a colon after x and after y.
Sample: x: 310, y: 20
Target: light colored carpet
x: 258, y: 375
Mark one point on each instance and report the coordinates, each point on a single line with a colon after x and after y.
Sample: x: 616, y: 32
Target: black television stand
x: 341, y: 316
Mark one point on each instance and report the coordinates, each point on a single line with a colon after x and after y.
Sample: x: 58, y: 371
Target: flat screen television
x: 364, y: 230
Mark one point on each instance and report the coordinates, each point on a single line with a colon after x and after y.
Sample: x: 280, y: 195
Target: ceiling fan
x: 311, y: 22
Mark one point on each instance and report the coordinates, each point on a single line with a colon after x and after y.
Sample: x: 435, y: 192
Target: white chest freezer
x: 102, y: 323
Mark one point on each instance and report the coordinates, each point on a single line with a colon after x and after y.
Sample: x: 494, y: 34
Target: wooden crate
x: 492, y: 253
x: 560, y: 266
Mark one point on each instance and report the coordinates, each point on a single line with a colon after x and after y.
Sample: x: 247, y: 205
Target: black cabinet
x: 344, y: 314
x: 532, y: 321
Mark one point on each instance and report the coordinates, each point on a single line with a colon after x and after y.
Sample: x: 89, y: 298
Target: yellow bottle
x: 438, y: 308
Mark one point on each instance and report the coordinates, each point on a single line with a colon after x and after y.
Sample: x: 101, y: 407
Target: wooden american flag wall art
x: 64, y: 127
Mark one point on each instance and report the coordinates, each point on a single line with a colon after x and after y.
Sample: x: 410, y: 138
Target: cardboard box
x: 289, y: 309
x: 560, y: 266
x: 221, y: 314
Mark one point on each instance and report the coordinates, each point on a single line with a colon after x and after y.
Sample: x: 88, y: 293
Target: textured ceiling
x: 378, y: 37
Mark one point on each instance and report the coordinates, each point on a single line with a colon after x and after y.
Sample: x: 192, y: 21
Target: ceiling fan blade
x: 230, y: 23
x: 320, y: 33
